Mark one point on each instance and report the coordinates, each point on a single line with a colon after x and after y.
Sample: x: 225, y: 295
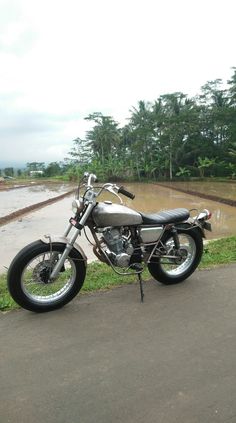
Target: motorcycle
x: 49, y: 272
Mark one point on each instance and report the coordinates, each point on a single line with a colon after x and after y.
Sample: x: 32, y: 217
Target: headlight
x: 77, y: 206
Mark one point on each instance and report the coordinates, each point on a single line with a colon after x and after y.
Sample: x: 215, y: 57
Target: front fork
x: 65, y: 254
x: 71, y: 242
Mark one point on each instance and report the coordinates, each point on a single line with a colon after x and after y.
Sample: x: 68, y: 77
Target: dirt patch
x: 227, y: 201
x: 15, y: 215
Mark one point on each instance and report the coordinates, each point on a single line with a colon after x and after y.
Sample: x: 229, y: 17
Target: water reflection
x: 148, y: 198
x: 52, y: 188
x: 220, y: 189
x: 13, y: 200
x: 151, y: 198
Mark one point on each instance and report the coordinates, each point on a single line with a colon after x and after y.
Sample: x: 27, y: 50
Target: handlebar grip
x: 128, y: 194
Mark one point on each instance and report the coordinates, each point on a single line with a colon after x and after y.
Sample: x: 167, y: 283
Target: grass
x: 218, y: 252
x: 101, y: 277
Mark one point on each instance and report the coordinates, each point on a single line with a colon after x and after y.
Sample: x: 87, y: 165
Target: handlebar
x: 128, y: 194
x: 121, y: 190
x: 91, y: 178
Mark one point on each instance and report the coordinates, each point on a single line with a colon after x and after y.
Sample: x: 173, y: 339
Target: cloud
x: 33, y: 136
x: 13, y: 123
x: 61, y: 60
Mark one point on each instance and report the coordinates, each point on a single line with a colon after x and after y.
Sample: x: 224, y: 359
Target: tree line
x: 176, y: 136
x: 40, y: 169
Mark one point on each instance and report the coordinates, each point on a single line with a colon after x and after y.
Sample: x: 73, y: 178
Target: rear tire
x: 170, y: 271
x: 28, y: 281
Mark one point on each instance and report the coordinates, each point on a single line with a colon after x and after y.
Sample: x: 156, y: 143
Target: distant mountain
x: 12, y: 163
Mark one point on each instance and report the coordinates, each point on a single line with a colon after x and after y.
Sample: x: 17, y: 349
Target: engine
x: 120, y: 248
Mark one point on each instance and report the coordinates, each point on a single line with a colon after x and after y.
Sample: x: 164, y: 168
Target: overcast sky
x: 63, y: 59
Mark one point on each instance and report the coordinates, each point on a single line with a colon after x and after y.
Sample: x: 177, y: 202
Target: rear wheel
x: 29, y: 277
x: 182, y: 262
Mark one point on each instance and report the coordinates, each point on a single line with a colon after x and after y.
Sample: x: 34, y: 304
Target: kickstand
x: 141, y: 286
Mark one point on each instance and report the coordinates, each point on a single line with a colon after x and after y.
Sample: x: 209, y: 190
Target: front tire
x: 173, y: 271
x: 28, y: 277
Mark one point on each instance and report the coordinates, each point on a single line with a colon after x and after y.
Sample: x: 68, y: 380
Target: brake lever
x: 114, y: 193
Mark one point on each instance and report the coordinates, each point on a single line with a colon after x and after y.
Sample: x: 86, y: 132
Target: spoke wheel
x: 29, y: 280
x: 182, y: 262
x: 36, y: 283
x: 184, y: 256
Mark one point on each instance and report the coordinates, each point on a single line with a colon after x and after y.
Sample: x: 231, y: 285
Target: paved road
x: 107, y: 358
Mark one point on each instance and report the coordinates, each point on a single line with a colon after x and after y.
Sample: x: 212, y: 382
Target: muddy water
x: 149, y: 198
x: 220, y: 189
x: 152, y: 198
x: 16, y: 199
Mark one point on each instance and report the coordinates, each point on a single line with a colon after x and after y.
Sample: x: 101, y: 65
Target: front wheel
x: 29, y: 277
x: 181, y: 263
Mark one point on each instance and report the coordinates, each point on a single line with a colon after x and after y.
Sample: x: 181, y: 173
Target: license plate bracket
x: 207, y: 226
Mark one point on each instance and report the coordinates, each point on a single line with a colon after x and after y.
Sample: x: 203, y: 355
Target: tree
x: 232, y: 88
x: 232, y: 111
x: 165, y: 138
x: 53, y: 169
x: 141, y: 124
x: 104, y: 138
x: 183, y: 172
x: 177, y: 119
x: 204, y: 164
x: 9, y: 171
x: 232, y: 150
x: 217, y: 113
x: 80, y: 152
x: 33, y: 166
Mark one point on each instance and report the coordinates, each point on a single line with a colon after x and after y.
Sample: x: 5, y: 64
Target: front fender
x: 64, y: 240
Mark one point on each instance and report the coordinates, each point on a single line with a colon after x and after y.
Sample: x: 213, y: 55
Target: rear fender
x: 189, y: 225
x: 64, y: 240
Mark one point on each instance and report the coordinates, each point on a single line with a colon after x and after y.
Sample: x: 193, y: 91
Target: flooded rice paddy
x: 151, y: 198
x: 16, y: 199
x: 54, y: 218
x: 220, y: 189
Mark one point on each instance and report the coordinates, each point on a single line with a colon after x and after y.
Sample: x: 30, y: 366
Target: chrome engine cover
x: 119, y: 248
x: 115, y: 215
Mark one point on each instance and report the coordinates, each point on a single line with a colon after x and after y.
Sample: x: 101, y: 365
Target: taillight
x: 208, y: 214
x: 204, y: 215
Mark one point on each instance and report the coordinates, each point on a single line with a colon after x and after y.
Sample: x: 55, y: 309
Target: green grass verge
x: 221, y: 251
x: 101, y: 277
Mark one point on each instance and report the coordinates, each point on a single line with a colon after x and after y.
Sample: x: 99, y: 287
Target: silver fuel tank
x: 109, y: 214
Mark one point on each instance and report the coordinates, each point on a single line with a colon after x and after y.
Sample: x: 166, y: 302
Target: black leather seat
x: 167, y: 216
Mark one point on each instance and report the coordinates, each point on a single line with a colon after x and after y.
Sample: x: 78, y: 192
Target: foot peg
x: 137, y: 267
